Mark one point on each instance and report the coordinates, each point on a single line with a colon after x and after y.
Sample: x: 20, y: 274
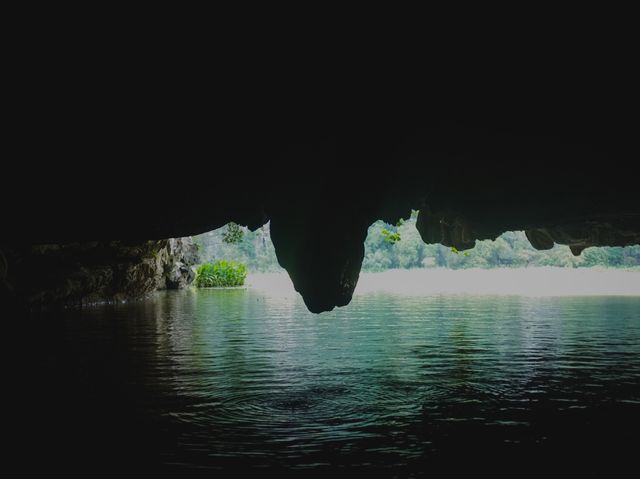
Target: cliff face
x: 93, y: 272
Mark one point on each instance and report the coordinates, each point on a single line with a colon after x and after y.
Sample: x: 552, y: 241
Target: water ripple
x: 233, y: 376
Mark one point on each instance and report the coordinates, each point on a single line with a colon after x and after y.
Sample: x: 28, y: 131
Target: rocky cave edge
x: 81, y: 240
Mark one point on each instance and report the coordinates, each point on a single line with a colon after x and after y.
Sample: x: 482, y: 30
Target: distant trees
x: 510, y: 250
x: 253, y: 248
x: 400, y: 246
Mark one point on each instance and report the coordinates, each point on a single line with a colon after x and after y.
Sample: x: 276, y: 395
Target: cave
x: 569, y: 183
x: 106, y: 216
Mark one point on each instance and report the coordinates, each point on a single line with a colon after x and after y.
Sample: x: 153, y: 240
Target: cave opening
x: 534, y: 360
x: 397, y: 259
x: 431, y: 359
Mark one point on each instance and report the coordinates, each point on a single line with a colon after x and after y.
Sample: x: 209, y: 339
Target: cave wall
x: 77, y: 274
x: 567, y: 180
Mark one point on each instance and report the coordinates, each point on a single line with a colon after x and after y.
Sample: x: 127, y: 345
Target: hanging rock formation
x: 561, y: 181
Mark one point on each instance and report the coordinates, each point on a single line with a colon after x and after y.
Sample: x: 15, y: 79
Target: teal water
x: 245, y: 378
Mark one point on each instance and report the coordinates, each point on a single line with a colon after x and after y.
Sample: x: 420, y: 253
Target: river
x: 403, y: 380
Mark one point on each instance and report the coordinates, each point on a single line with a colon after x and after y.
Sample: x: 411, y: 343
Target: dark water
x: 398, y: 385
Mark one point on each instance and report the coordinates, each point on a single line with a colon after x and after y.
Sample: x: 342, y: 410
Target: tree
x: 233, y: 234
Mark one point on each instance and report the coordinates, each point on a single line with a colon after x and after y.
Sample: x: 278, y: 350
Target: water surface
x: 399, y: 383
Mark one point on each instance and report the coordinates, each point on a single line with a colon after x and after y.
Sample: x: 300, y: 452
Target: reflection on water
x: 244, y: 378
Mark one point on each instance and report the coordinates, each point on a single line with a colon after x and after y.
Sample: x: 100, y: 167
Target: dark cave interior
x: 562, y: 179
x: 111, y: 171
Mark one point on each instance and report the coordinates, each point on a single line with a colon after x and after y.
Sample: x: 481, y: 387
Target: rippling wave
x: 234, y: 378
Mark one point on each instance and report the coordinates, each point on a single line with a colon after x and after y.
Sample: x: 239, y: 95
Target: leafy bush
x: 221, y: 273
x: 233, y: 234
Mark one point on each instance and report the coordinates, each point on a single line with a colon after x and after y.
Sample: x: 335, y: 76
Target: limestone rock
x: 180, y: 255
x: 92, y: 272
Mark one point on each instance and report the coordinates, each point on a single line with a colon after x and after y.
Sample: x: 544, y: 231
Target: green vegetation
x: 233, y: 234
x: 510, y: 250
x: 254, y: 248
x: 400, y: 246
x: 390, y: 237
x: 221, y: 273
